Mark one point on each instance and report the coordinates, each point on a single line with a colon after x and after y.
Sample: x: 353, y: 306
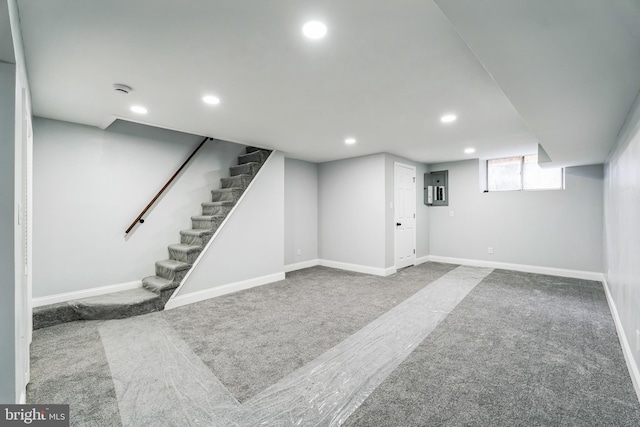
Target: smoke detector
x: 122, y: 88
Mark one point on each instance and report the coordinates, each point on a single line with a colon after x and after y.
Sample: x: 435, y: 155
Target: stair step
x: 250, y: 168
x: 237, y: 181
x: 226, y: 195
x: 196, y: 236
x: 258, y: 156
x: 217, y: 208
x: 171, y: 269
x: 184, y: 253
x: 211, y: 222
x: 53, y: 314
x: 117, y: 305
x: 249, y: 150
x: 160, y: 286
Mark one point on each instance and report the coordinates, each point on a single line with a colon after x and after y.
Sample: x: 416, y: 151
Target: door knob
x: 398, y: 224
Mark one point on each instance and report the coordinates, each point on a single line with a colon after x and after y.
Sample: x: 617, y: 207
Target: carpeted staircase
x: 156, y: 290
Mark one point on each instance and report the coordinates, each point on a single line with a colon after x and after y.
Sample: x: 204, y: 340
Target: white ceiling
x: 384, y: 74
x: 571, y: 68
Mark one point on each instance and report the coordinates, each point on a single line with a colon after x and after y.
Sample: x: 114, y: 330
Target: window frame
x: 522, y: 157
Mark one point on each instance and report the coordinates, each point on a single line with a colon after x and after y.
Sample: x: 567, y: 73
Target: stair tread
x: 220, y: 203
x: 185, y: 247
x: 117, y: 305
x: 262, y: 154
x: 227, y: 190
x: 157, y: 280
x: 158, y: 284
x: 172, y: 264
x: 240, y: 175
x: 207, y: 217
x: 130, y: 297
x: 196, y: 231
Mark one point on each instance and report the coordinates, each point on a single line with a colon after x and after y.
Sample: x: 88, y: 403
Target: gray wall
x: 7, y: 230
x: 422, y: 210
x: 352, y: 214
x: 300, y: 211
x: 250, y: 245
x: 622, y: 230
x: 90, y: 184
x: 556, y: 229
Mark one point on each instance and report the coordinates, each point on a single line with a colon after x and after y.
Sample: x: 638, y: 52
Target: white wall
x: 352, y: 214
x: 7, y: 229
x: 422, y: 210
x: 90, y: 184
x: 248, y: 249
x: 622, y: 235
x: 300, y: 211
x: 556, y: 229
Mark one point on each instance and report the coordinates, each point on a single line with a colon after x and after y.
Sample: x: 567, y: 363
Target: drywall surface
x: 7, y: 230
x: 622, y: 230
x: 352, y: 215
x: 90, y: 184
x: 557, y: 229
x: 250, y: 244
x: 422, y: 210
x: 300, y: 211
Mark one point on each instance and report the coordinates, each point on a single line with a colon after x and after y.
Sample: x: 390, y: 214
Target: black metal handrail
x: 144, y: 211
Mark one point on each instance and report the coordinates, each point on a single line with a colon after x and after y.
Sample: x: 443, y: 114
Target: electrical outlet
x: 450, y: 214
x: 637, y: 340
x: 490, y: 250
x: 299, y: 252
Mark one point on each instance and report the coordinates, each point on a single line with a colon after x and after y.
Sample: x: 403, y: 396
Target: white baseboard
x: 634, y: 372
x: 576, y: 274
x: 300, y: 265
x: 376, y: 271
x: 389, y: 271
x: 85, y: 293
x: 205, y: 294
x: 422, y: 260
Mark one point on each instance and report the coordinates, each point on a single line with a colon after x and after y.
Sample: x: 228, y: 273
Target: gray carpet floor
x: 520, y: 349
x: 262, y: 334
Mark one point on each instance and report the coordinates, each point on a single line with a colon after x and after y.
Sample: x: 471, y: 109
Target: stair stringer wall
x: 248, y: 249
x: 89, y: 184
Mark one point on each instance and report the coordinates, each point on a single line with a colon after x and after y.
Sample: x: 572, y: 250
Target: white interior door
x: 405, y: 214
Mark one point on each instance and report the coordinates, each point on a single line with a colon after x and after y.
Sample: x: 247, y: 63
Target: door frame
x: 395, y: 204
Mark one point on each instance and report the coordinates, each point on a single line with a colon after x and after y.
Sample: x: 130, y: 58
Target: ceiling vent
x: 122, y: 88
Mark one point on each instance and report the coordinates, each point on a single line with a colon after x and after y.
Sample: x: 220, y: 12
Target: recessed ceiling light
x: 350, y: 141
x: 314, y: 30
x: 448, y: 118
x: 469, y: 150
x: 211, y: 100
x: 138, y: 109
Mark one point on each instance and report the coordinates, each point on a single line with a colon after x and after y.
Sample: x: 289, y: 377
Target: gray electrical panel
x: 436, y: 188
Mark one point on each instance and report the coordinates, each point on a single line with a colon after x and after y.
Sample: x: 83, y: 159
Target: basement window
x: 522, y: 173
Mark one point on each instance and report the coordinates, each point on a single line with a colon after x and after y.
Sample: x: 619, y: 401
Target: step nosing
x: 196, y: 231
x: 138, y: 295
x: 219, y: 203
x: 185, y: 246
